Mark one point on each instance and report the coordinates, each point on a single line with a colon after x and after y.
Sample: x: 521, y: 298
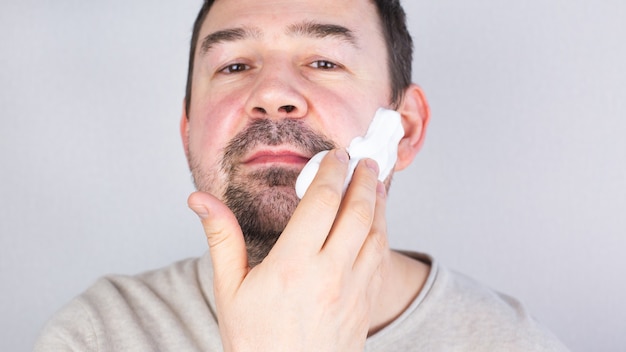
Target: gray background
x: 521, y: 183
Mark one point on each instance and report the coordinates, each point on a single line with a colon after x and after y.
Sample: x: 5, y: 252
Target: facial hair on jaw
x: 264, y: 200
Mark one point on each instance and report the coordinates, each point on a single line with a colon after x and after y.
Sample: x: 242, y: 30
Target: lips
x: 276, y: 156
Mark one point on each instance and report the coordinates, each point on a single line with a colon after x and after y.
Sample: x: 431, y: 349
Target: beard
x: 264, y: 200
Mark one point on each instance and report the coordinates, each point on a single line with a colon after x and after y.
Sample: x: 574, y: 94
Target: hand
x: 317, y: 286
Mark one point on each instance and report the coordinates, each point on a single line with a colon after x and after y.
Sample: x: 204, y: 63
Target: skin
x: 320, y: 286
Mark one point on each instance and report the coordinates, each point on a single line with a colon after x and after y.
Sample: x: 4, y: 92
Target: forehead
x: 360, y: 16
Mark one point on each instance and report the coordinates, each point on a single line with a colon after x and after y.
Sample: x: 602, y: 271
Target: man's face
x: 273, y: 83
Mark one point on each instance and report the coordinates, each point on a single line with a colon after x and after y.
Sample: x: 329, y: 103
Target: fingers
x: 312, y: 220
x: 356, y: 215
x: 226, y: 242
x: 376, y: 245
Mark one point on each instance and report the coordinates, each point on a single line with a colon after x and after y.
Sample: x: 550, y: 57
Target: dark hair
x: 396, y: 35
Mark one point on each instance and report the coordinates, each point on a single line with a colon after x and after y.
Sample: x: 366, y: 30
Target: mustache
x: 274, y: 133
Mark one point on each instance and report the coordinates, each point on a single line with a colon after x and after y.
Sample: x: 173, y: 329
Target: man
x: 270, y: 84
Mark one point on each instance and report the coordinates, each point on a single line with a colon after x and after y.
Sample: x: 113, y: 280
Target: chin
x: 263, y: 201
x: 276, y: 206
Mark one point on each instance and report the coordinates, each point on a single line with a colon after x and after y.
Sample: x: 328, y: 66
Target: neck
x: 402, y: 280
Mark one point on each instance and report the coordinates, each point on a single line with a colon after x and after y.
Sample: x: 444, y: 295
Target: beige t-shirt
x: 173, y: 309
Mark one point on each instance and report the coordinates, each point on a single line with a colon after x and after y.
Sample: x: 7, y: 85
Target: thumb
x: 226, y: 243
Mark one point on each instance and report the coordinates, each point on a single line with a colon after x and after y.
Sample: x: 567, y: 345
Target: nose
x: 277, y: 94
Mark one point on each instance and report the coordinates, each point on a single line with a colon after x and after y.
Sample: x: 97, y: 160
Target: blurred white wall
x: 521, y: 183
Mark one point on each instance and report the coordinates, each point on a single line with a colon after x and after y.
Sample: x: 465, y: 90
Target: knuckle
x: 379, y: 241
x: 215, y: 237
x: 287, y: 274
x: 363, y: 211
x: 328, y: 196
x: 332, y: 296
x: 333, y: 268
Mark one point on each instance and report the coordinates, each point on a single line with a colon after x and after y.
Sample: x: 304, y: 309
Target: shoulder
x: 133, y: 311
x: 164, y: 286
x: 71, y: 328
x: 456, y: 312
x: 486, y: 317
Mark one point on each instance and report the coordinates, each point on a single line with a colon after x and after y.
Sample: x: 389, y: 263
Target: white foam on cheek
x: 379, y: 143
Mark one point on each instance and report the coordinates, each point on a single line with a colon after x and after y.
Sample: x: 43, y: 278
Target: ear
x: 415, y: 117
x: 184, y: 129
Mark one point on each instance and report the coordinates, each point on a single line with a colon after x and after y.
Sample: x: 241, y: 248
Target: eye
x: 324, y: 65
x: 234, y: 68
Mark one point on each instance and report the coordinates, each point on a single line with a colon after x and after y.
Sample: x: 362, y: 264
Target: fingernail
x: 372, y: 165
x: 342, y: 155
x: 200, y: 210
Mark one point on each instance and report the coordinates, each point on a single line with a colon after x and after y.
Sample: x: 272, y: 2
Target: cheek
x: 213, y: 122
x: 343, y: 114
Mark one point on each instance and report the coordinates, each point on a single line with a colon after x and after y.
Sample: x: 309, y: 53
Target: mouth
x: 269, y: 157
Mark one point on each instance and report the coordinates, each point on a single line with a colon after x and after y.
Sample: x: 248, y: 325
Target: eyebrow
x: 322, y: 30
x: 302, y: 29
x: 228, y: 35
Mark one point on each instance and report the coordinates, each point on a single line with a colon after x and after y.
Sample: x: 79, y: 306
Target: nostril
x: 288, y: 108
x: 261, y: 110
